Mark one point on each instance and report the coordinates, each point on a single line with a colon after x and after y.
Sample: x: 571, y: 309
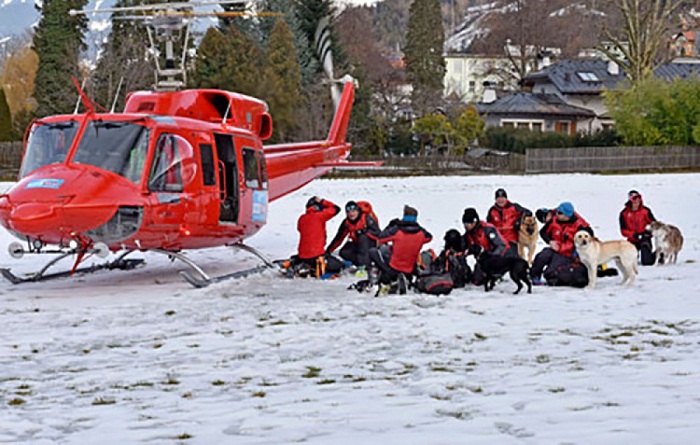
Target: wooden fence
x: 601, y: 159
x: 555, y: 160
x: 10, y: 157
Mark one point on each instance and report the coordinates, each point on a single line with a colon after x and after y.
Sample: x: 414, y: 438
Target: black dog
x: 494, y: 267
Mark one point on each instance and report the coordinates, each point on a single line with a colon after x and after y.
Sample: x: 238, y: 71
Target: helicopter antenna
x: 116, y: 95
x: 81, y: 90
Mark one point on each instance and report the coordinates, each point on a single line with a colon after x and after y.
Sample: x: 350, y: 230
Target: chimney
x: 545, y: 62
x: 489, y: 93
x: 613, y: 68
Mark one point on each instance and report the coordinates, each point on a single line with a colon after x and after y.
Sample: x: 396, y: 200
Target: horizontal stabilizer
x: 351, y: 165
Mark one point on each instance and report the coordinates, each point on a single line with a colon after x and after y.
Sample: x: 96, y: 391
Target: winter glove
x: 541, y: 215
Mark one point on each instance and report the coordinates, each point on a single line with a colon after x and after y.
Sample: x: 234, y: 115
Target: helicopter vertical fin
x: 339, y: 126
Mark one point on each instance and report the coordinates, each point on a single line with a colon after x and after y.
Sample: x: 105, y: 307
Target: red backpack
x: 366, y: 208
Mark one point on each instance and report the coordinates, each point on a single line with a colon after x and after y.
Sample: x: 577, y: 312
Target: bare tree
x: 642, y: 35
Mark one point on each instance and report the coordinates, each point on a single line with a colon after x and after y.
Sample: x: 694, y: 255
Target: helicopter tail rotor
x: 322, y: 40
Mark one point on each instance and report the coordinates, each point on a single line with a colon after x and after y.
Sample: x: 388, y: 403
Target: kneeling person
x: 406, y: 239
x: 357, y: 226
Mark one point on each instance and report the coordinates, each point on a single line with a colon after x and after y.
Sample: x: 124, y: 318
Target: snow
x: 141, y: 357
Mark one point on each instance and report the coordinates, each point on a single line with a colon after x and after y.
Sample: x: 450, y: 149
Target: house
x: 686, y: 44
x: 579, y: 83
x: 536, y: 112
x: 466, y: 74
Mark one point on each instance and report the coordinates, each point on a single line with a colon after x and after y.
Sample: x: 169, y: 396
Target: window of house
x: 587, y: 76
x: 537, y: 127
x: 563, y: 127
x: 472, y: 86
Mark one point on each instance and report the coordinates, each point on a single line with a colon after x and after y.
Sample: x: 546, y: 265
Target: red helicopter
x: 176, y: 170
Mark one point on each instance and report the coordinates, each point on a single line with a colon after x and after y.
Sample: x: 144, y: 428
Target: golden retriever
x: 668, y: 241
x: 593, y: 252
x: 527, y: 237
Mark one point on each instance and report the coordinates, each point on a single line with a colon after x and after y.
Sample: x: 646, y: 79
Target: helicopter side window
x: 173, y: 164
x: 252, y: 171
x: 48, y: 144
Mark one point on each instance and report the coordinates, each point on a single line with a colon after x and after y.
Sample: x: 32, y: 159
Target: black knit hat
x: 470, y: 216
x: 351, y: 205
x: 501, y: 193
x: 312, y: 203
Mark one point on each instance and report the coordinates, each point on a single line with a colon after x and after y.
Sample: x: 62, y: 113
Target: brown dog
x: 668, y: 241
x: 527, y: 237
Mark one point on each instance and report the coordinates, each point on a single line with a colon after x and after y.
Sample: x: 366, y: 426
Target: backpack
x: 455, y: 263
x: 366, y: 208
x: 435, y: 284
x: 573, y: 275
x: 431, y: 279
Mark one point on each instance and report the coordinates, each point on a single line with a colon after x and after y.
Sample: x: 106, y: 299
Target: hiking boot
x: 383, y: 290
x: 361, y: 273
x: 538, y: 282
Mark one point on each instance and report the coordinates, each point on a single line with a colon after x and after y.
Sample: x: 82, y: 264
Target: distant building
x: 467, y: 74
x: 567, y: 96
x: 686, y: 44
x: 536, y: 112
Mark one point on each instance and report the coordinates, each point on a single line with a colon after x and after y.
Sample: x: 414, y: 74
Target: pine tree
x: 5, y: 118
x: 425, y: 63
x: 210, y: 68
x: 284, y: 77
x: 124, y: 59
x: 58, y: 41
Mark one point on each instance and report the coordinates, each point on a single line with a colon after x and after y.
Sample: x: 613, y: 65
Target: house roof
x: 672, y: 71
x: 529, y: 104
x: 577, y: 76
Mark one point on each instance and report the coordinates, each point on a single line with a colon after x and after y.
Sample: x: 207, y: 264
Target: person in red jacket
x: 312, y: 236
x: 561, y: 224
x: 634, y: 219
x: 506, y: 217
x: 397, y: 261
x: 484, y: 241
x: 357, y: 225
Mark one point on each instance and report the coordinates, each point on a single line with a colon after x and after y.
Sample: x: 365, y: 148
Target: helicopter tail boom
x: 291, y: 166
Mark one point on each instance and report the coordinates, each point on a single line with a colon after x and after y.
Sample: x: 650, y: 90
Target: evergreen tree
x: 124, y: 59
x: 5, y: 118
x: 58, y: 41
x: 425, y: 64
x: 284, y: 80
x: 210, y: 68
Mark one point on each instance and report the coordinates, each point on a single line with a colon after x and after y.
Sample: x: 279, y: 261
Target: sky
x: 141, y: 357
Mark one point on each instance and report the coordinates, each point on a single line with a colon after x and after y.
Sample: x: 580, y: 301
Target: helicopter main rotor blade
x: 156, y: 6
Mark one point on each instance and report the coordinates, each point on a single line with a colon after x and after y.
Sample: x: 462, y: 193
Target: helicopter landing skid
x: 199, y: 279
x: 120, y: 263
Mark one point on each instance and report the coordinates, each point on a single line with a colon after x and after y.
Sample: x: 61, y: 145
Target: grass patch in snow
x: 260, y: 394
x: 311, y: 372
x: 103, y: 401
x: 542, y: 359
x: 16, y: 401
x: 170, y: 313
x: 325, y: 382
x: 218, y: 382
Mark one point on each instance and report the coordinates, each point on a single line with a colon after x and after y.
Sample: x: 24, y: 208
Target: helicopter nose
x: 84, y: 200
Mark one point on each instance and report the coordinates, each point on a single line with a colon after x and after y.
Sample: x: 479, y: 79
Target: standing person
x: 560, y: 226
x: 634, y: 219
x: 312, y: 238
x: 397, y: 261
x: 484, y: 241
x: 506, y: 217
x: 357, y: 226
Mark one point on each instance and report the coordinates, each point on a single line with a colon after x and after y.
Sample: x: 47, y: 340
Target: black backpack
x: 431, y: 280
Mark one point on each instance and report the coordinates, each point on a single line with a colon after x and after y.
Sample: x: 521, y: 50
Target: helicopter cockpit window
x: 173, y: 164
x: 250, y: 166
x: 48, y: 144
x: 119, y: 147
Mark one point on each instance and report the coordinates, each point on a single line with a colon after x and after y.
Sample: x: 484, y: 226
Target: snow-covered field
x: 141, y: 357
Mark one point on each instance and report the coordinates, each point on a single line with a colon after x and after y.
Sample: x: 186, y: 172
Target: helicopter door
x: 171, y: 172
x: 228, y: 178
